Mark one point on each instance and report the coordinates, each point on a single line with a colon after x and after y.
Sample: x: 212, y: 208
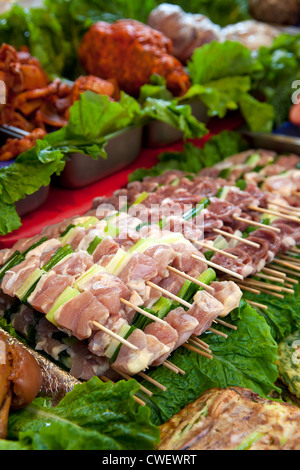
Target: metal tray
x: 82, y: 170
x: 276, y: 142
x: 33, y: 201
x: 158, y: 134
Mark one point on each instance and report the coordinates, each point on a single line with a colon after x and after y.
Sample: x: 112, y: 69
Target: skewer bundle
x: 130, y: 290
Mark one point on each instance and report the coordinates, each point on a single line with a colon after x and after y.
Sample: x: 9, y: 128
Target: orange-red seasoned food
x: 14, y: 147
x: 32, y: 100
x: 130, y: 52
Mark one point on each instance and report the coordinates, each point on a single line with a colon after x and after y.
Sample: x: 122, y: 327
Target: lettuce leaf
x: 281, y: 67
x: 282, y: 315
x: 93, y: 416
x: 192, y: 159
x: 246, y: 359
x: 223, y: 77
x: 94, y: 119
x: 41, y: 32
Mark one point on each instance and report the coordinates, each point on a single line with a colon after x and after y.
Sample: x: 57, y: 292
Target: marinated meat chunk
x: 77, y: 315
x: 183, y: 323
x: 229, y: 294
x: 205, y: 309
x: 149, y: 349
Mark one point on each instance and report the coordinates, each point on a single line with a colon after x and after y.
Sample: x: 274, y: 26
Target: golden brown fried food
x: 32, y: 101
x: 232, y: 419
x: 20, y: 379
x: 14, y: 147
x: 130, y: 52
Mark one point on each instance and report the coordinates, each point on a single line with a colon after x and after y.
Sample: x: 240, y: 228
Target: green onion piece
x: 192, y: 213
x: 93, y: 245
x: 89, y: 274
x: 88, y: 222
x: 247, y: 443
x: 208, y: 276
x: 140, y: 198
x: 225, y: 173
x: 115, y: 355
x: 241, y: 184
x: 253, y: 159
x: 175, y: 182
x: 142, y: 245
x: 68, y: 294
x: 111, y: 230
x: 67, y: 230
x: 23, y: 292
x: 59, y: 255
x: 35, y: 245
x: 209, y: 254
x: 15, y: 259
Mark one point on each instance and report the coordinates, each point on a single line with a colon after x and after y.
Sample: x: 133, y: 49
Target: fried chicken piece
x: 130, y: 52
x: 14, y: 147
x: 20, y: 379
x: 55, y: 108
x: 36, y: 105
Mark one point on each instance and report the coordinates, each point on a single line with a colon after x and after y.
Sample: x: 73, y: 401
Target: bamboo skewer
x: 286, y: 264
x: 192, y: 279
x: 295, y: 250
x: 235, y: 237
x: 143, y: 312
x: 212, y: 248
x: 201, y: 343
x: 273, y: 272
x: 180, y: 301
x: 173, y: 367
x: 218, y: 267
x: 257, y: 224
x: 198, y: 351
x: 272, y: 293
x: 152, y: 381
x: 170, y: 367
x: 220, y: 333
x: 128, y: 377
x: 277, y: 214
x: 257, y: 304
x: 138, y: 400
x: 267, y: 286
x: 270, y: 278
x: 169, y: 294
x: 249, y: 289
x: 287, y: 271
x: 286, y: 207
x: 115, y: 336
x: 296, y: 193
x: 289, y: 258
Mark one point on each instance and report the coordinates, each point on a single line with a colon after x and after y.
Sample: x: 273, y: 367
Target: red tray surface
x: 64, y: 203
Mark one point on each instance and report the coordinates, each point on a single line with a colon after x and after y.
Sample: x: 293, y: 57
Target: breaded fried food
x: 233, y: 419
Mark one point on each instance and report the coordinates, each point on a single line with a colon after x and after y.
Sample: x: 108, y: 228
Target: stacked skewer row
x: 157, y: 265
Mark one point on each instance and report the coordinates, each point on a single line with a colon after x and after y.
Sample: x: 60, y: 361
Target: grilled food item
x: 289, y: 362
x: 130, y: 52
x: 20, y: 379
x: 186, y: 30
x: 233, y: 419
x: 35, y: 104
x: 275, y: 11
x: 189, y: 31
